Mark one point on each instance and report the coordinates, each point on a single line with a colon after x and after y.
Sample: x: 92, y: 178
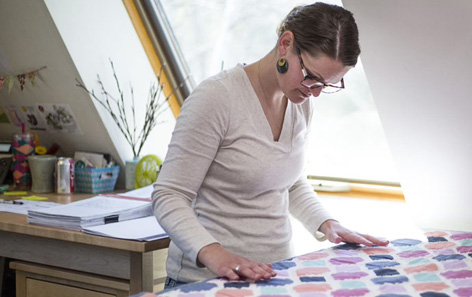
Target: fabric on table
x: 440, y: 267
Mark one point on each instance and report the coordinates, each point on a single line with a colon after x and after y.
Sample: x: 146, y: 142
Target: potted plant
x: 125, y: 118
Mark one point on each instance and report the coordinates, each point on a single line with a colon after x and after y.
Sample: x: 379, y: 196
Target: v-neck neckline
x: 261, y: 120
x: 283, y: 128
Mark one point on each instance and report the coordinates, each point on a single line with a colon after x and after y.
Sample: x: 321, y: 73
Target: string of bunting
x: 9, y: 80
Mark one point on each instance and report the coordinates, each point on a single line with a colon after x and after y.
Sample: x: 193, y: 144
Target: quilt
x: 440, y: 267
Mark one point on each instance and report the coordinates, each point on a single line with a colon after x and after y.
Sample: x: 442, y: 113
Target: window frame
x: 162, y: 50
x: 158, y: 40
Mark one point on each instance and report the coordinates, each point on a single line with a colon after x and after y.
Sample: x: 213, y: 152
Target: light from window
x: 347, y: 140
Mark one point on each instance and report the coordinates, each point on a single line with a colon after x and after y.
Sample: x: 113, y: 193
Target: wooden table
x: 130, y: 261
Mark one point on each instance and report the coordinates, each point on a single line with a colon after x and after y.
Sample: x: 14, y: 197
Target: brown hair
x: 322, y: 28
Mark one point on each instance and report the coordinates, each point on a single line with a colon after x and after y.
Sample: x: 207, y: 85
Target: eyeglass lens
x: 311, y: 83
x: 327, y: 88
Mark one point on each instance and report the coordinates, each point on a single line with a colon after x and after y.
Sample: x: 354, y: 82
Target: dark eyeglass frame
x: 317, y: 84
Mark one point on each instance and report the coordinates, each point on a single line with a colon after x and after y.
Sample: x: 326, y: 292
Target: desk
x: 127, y: 260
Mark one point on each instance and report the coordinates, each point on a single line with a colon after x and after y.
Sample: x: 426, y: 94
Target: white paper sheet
x: 144, y: 192
x: 27, y: 205
x: 142, y: 229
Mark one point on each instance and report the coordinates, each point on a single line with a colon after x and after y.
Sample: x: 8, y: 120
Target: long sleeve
x: 198, y: 133
x: 306, y: 207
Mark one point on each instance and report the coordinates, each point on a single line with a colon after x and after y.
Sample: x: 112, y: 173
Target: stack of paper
x: 142, y: 229
x: 94, y: 211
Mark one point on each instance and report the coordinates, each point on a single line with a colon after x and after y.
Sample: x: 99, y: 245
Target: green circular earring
x: 282, y: 65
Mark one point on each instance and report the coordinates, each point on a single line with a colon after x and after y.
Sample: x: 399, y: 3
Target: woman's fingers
x: 265, y: 271
x: 337, y: 233
x: 255, y: 271
x: 365, y: 239
x: 232, y: 274
x: 223, y: 263
x: 376, y: 240
x: 354, y: 237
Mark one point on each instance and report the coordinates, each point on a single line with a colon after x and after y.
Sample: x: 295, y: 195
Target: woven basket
x: 99, y: 180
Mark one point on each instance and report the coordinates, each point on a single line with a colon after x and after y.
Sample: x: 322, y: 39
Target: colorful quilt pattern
x: 440, y: 267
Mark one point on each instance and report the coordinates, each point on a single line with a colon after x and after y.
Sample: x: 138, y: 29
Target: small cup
x: 42, y: 173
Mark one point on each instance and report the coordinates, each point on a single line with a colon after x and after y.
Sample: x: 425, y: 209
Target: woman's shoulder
x: 220, y: 87
x: 216, y: 93
x: 227, y: 79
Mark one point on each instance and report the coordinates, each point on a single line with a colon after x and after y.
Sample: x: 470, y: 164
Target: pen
x: 11, y: 202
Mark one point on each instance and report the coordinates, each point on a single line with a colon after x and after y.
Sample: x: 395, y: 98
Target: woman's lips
x: 304, y: 95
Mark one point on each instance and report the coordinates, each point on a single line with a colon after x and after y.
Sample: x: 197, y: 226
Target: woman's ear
x: 285, y: 43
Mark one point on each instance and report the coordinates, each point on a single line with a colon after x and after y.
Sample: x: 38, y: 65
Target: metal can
x: 64, y: 175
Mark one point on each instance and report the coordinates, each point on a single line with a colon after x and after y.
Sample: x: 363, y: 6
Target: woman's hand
x: 336, y: 233
x: 225, y: 264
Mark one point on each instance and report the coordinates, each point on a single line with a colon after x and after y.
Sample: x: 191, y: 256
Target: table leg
x: 141, y: 272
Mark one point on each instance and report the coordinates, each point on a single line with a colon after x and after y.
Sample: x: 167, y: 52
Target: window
x: 347, y: 140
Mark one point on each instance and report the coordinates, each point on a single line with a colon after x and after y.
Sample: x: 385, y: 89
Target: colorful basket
x: 99, y: 180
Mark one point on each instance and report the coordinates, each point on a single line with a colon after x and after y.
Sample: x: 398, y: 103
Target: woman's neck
x: 263, y: 78
x: 262, y: 75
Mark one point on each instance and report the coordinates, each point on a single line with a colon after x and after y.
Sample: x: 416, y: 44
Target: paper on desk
x: 142, y: 229
x: 93, y: 211
x: 27, y: 205
x: 144, y: 192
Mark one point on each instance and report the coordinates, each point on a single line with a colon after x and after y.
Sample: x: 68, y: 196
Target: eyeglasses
x: 311, y: 82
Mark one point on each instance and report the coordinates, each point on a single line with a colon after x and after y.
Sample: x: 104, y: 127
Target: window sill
x: 357, y: 190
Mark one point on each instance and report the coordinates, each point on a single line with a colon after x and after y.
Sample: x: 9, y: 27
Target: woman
x: 234, y: 169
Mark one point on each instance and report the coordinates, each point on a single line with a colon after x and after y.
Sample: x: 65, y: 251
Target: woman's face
x: 322, y: 69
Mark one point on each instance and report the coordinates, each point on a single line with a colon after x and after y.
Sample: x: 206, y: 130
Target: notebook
x: 418, y: 61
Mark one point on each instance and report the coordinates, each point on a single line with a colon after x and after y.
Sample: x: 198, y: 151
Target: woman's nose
x: 315, y: 92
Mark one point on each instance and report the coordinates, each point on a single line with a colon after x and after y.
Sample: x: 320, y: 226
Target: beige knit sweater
x: 226, y: 180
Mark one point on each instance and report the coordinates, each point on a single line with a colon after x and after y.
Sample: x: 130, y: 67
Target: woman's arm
x: 198, y: 133
x: 306, y: 207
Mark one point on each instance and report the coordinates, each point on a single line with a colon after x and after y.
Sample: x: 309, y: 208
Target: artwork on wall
x: 33, y: 118
x: 8, y: 81
x: 13, y: 113
x: 57, y: 118
x: 3, y: 117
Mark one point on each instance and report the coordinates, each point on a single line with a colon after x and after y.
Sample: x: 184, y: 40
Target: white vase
x: 130, y: 173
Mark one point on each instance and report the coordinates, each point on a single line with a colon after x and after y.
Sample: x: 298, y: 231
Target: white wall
x: 76, y: 39
x: 417, y: 57
x: 96, y: 31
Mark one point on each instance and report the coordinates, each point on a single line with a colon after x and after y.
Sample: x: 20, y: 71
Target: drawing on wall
x: 3, y: 117
x: 14, y: 114
x: 59, y: 118
x: 33, y: 118
x: 9, y: 80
